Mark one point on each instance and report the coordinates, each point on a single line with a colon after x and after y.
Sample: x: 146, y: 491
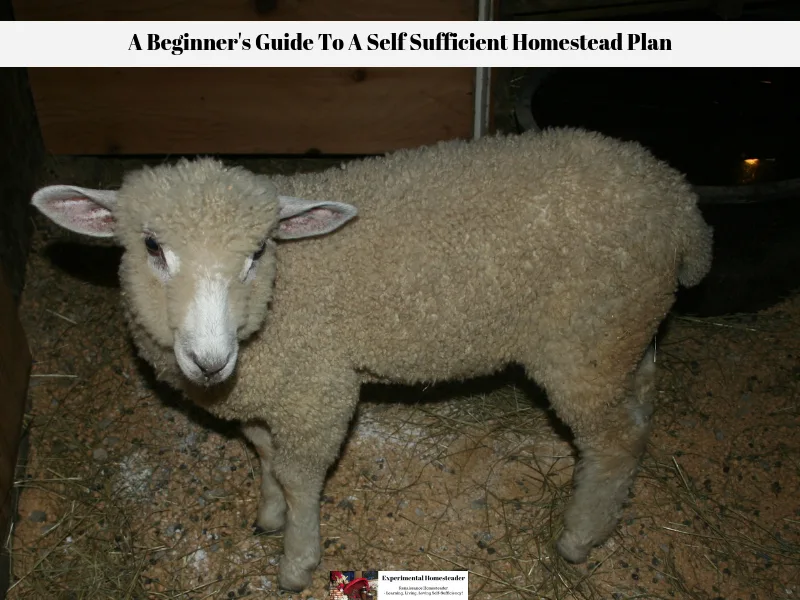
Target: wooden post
x: 15, y: 365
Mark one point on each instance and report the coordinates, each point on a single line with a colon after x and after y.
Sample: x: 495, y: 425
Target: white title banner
x: 399, y: 43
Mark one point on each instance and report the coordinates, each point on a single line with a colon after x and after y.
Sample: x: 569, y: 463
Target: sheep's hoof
x: 270, y: 519
x: 293, y: 579
x: 572, y: 548
x: 259, y: 530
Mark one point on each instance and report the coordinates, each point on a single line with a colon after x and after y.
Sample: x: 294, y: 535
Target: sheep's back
x: 466, y: 254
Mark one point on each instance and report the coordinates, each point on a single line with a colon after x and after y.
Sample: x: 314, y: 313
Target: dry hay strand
x: 89, y: 552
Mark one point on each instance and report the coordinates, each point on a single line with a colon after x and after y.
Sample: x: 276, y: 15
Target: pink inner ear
x: 316, y: 220
x: 84, y: 214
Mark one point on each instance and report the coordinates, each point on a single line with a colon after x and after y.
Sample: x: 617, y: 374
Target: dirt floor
x: 130, y: 493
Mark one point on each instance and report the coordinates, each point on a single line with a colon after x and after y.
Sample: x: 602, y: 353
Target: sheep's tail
x: 695, y: 249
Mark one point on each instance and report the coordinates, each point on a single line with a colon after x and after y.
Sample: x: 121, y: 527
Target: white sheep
x: 559, y: 250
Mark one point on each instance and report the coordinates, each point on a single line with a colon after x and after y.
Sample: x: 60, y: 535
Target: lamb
x: 270, y: 300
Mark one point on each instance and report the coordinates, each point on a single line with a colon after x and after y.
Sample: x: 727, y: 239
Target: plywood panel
x: 244, y: 10
x: 250, y: 111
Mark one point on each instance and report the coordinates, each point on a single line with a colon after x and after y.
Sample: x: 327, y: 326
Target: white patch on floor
x: 198, y: 559
x: 370, y: 428
x: 134, y: 477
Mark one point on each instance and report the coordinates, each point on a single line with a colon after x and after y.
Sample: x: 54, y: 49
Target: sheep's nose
x: 210, y: 367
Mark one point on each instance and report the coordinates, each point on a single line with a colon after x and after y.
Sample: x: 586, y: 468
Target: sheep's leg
x: 271, y: 504
x: 301, y: 537
x: 304, y: 452
x: 610, y: 450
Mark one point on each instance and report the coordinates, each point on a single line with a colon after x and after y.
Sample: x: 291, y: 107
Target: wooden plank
x: 15, y: 364
x: 245, y: 10
x: 250, y: 111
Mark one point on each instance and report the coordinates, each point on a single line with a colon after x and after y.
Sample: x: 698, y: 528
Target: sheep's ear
x: 306, y: 218
x: 78, y: 209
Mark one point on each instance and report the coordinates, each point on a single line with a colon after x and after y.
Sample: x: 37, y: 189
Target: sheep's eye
x: 260, y: 252
x: 153, y: 247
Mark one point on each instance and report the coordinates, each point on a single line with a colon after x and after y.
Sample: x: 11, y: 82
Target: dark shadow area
x: 427, y: 394
x: 704, y: 122
x: 20, y: 156
x: 756, y: 259
x: 175, y: 400
x: 97, y: 265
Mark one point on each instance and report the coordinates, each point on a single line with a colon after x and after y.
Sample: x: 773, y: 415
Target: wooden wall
x: 250, y: 110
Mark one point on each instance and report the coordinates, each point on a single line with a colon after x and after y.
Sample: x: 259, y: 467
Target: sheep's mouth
x: 206, y: 370
x: 208, y: 382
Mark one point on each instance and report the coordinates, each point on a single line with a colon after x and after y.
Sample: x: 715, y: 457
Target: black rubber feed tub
x: 733, y: 132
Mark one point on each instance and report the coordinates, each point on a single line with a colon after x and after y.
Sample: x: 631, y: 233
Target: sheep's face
x: 199, y: 297
x: 199, y: 260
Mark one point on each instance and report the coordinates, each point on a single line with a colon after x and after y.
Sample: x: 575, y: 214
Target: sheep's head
x: 199, y: 260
